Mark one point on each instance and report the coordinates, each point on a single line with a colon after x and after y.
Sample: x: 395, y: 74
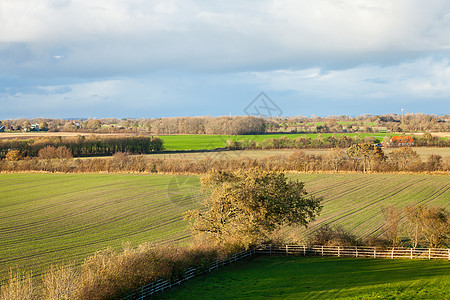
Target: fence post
x: 392, y: 254
x: 429, y: 253
x: 448, y: 253
x: 304, y: 250
x: 374, y: 252
x: 356, y: 251
x: 411, y: 253
x: 339, y: 251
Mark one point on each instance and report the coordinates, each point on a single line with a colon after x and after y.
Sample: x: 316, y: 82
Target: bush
x: 333, y: 236
x: 50, y: 152
x: 18, y: 286
x: 13, y: 155
x: 109, y: 274
x: 61, y: 282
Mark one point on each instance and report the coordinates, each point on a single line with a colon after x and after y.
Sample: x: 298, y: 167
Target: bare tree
x: 392, y: 224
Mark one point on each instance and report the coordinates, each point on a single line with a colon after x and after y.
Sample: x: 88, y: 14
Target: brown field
x: 423, y: 152
x: 439, y: 134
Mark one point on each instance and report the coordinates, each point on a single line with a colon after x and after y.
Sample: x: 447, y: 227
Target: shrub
x: 61, y: 282
x: 333, y: 236
x: 18, y: 286
x: 13, y: 155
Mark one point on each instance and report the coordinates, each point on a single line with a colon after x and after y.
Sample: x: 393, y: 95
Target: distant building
x: 400, y: 141
x: 34, y: 127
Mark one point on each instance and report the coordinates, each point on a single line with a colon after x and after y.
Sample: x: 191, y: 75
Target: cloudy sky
x: 145, y: 58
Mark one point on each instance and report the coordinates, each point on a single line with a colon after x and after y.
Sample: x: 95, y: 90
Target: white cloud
x: 424, y: 79
x: 136, y: 35
x: 55, y: 53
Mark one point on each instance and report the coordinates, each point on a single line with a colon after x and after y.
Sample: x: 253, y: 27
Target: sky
x: 146, y: 58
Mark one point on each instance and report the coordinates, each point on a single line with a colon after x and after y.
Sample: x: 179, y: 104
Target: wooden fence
x: 339, y: 251
x: 353, y: 251
x: 161, y: 285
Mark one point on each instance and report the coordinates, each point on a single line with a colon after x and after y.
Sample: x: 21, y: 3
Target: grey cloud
x: 60, y: 3
x: 125, y: 38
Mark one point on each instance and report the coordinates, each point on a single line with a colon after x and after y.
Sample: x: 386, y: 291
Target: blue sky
x: 141, y: 58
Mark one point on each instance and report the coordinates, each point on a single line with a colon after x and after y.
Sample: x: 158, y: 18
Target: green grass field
x: 208, y: 142
x: 50, y: 218
x: 59, y: 218
x: 280, y: 277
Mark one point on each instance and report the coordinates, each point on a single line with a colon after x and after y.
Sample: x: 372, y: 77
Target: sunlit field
x: 59, y: 218
x: 281, y: 277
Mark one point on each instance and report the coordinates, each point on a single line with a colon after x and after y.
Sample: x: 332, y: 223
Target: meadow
x: 293, y: 277
x: 61, y: 218
x: 209, y: 142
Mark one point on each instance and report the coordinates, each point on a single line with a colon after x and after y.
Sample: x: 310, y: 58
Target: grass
x: 60, y: 218
x: 208, y: 142
x: 354, y: 201
x: 279, y: 277
x: 53, y: 218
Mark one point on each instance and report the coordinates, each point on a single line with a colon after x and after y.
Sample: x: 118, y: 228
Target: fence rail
x: 353, y: 251
x: 339, y: 251
x: 161, y: 285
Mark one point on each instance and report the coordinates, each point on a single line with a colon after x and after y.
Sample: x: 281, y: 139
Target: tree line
x: 81, y: 146
x: 356, y: 158
x: 340, y: 141
x: 231, y: 125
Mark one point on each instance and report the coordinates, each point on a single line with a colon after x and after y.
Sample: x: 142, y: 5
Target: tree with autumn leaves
x: 243, y: 207
x: 365, y: 152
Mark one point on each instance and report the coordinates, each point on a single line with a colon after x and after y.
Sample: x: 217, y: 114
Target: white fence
x: 161, y: 285
x: 339, y: 251
x: 353, y: 251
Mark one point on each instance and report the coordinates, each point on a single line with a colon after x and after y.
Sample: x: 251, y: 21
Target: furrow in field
x: 360, y: 207
x: 156, y: 225
x: 79, y: 214
x: 68, y: 214
x: 387, y: 195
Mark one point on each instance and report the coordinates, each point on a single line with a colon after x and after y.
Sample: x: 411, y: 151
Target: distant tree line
x: 83, y: 146
x: 229, y: 125
x: 340, y: 141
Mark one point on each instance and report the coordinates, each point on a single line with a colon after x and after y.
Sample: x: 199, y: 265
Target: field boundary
x: 302, y: 250
x: 356, y: 251
x: 161, y: 285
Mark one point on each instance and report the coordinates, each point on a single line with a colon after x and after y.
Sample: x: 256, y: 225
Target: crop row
x: 60, y: 218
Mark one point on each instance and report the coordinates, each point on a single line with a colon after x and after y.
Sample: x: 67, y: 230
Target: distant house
x: 34, y: 127
x: 2, y: 128
x: 401, y: 141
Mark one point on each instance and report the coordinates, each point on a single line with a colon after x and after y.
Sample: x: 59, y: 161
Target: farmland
x: 320, y: 278
x: 60, y: 218
x: 208, y: 142
x: 49, y: 218
x: 423, y: 153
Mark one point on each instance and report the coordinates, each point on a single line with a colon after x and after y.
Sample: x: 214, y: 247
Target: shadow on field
x: 316, y: 277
